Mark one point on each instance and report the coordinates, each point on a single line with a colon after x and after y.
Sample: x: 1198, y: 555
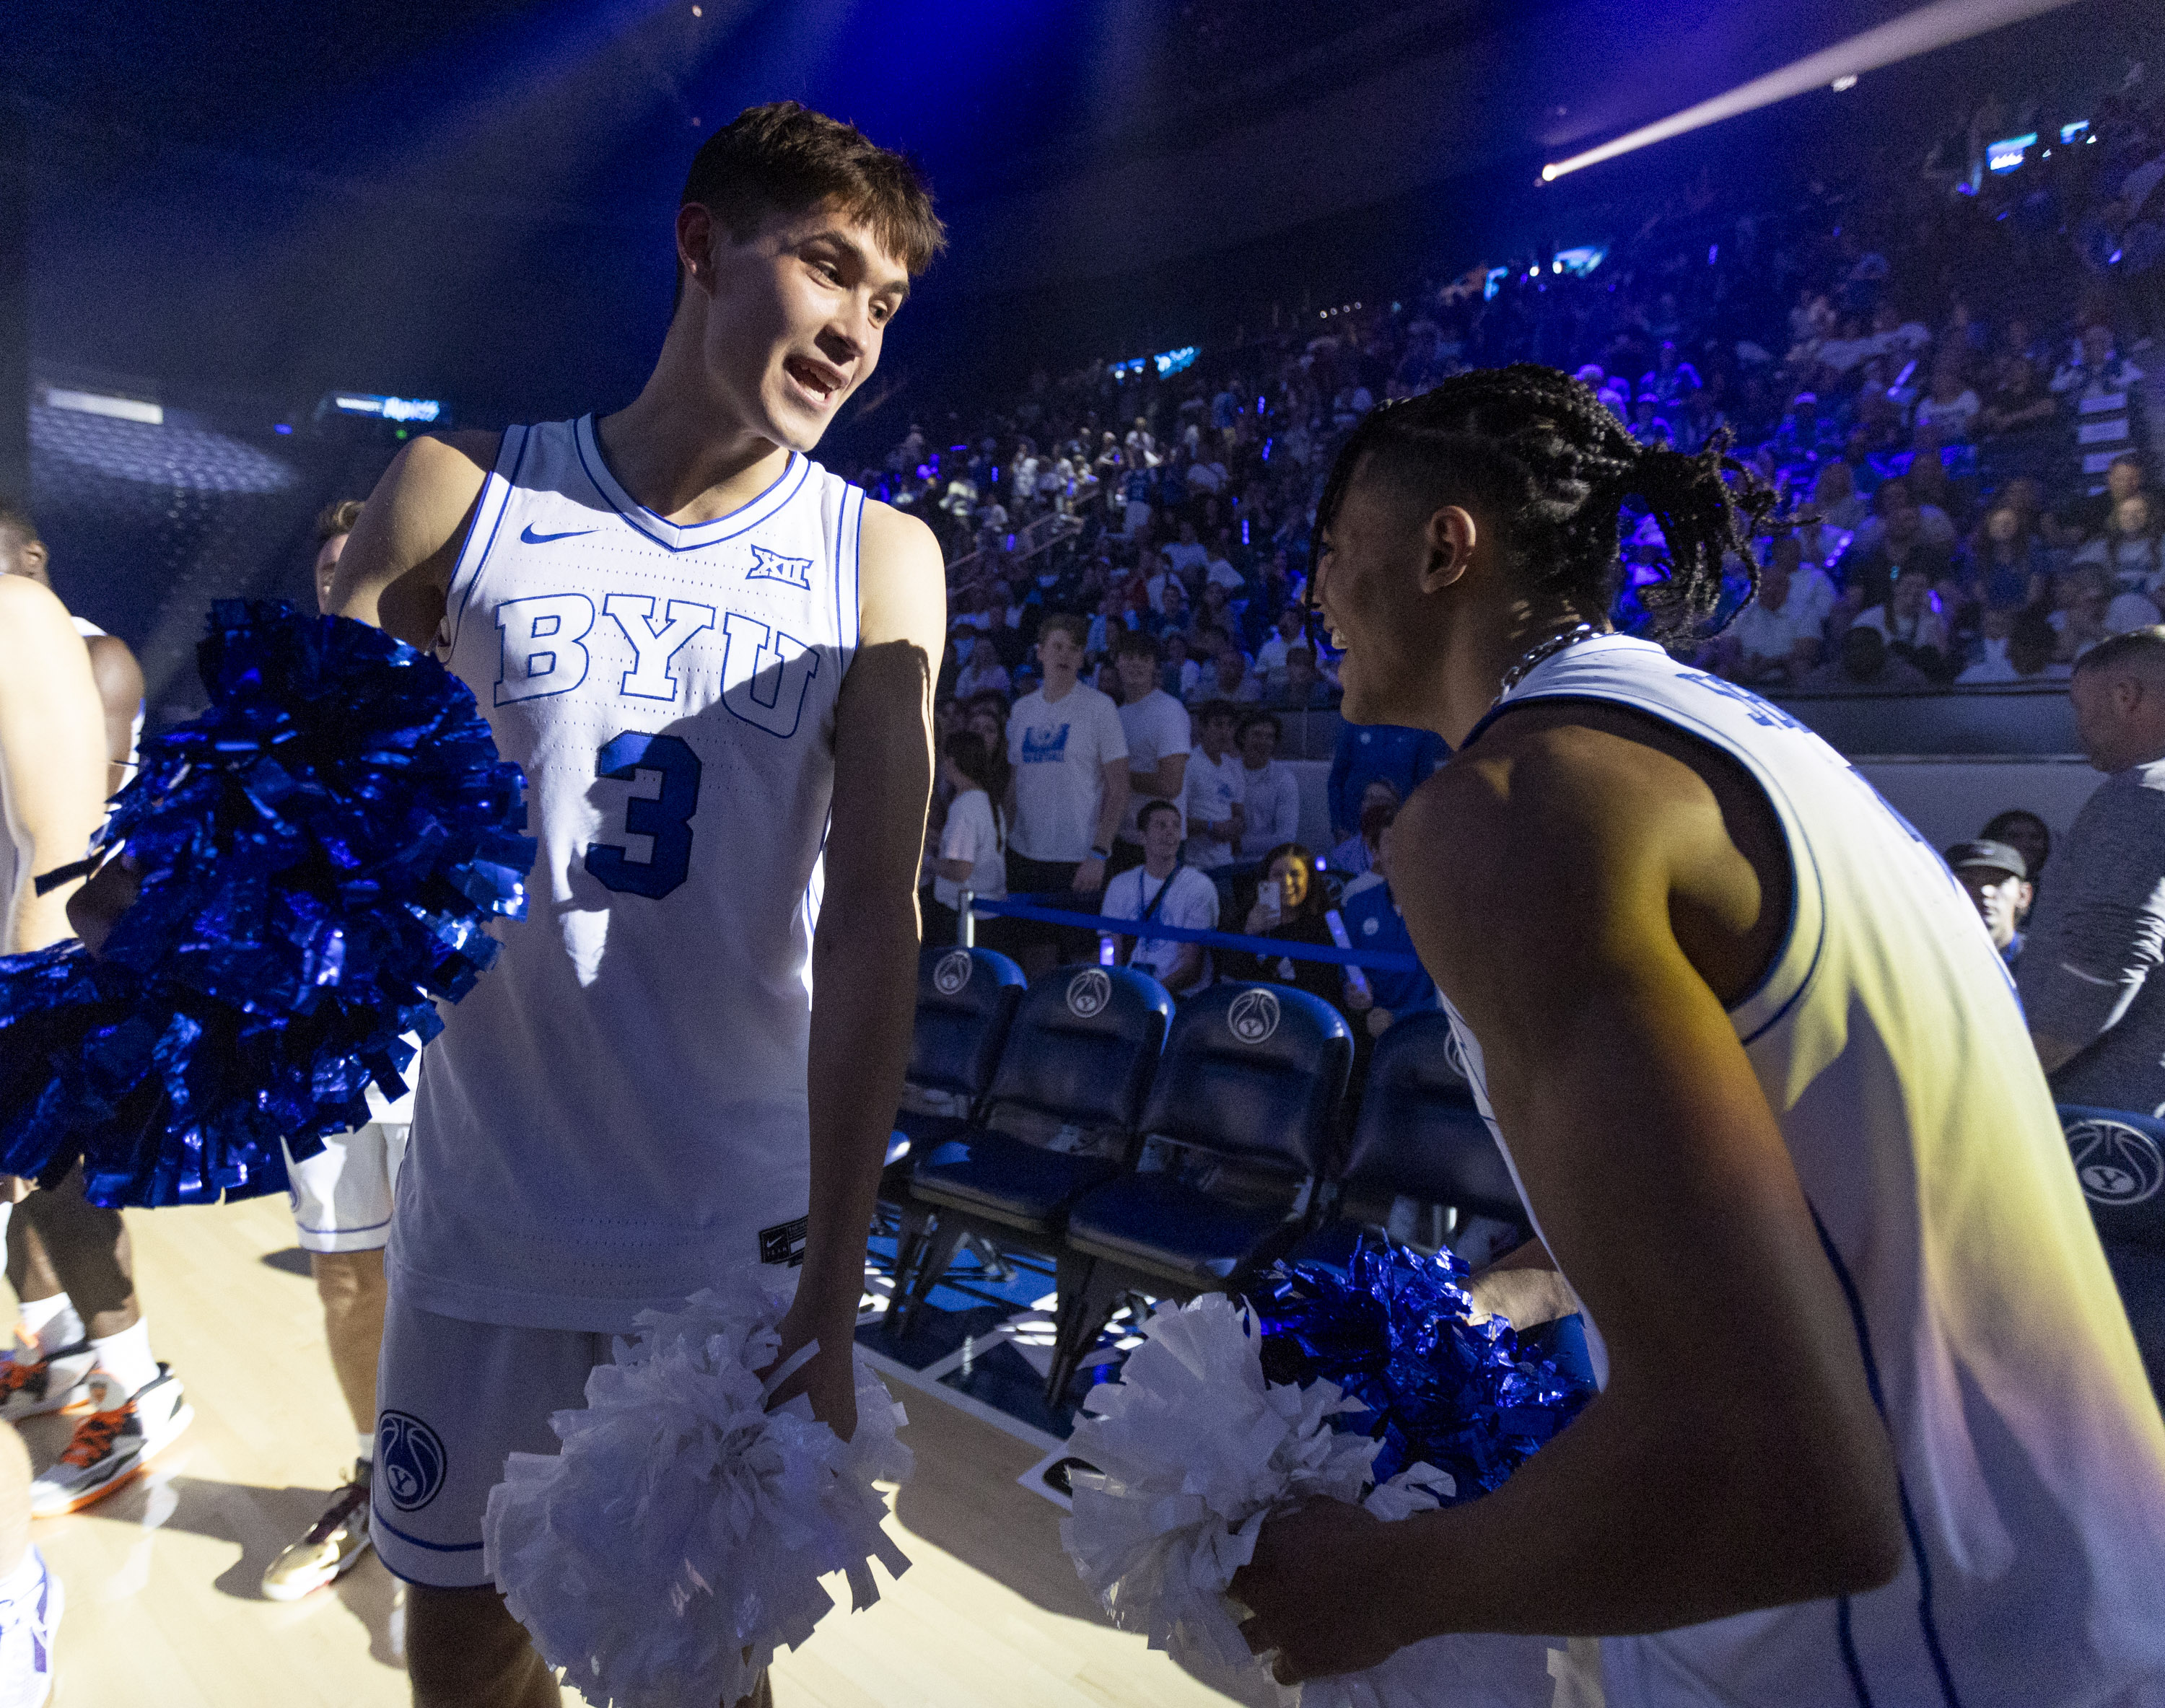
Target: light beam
x: 1940, y: 24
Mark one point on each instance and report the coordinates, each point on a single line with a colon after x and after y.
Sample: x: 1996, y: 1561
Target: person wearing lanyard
x: 1172, y: 894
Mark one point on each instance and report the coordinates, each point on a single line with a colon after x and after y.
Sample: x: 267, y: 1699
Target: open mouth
x: 817, y: 382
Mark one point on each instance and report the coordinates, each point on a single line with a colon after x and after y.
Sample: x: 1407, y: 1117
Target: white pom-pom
x: 1194, y: 1449
x: 678, y: 1539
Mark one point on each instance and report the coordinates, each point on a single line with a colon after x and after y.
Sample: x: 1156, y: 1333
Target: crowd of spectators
x: 1943, y: 371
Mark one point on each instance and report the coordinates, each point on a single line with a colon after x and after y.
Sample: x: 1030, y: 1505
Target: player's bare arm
x: 1587, y: 903
x: 119, y: 681
x: 52, y: 754
x: 397, y: 565
x: 865, y: 955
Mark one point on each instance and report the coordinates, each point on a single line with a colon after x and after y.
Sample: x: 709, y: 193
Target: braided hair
x: 1536, y: 449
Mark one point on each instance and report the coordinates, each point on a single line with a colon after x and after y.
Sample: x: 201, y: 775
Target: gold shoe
x: 333, y: 1544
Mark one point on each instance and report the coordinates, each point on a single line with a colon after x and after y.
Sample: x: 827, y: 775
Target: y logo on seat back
x: 1253, y: 1016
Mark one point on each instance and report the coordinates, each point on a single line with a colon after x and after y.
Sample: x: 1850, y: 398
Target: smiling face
x: 790, y: 321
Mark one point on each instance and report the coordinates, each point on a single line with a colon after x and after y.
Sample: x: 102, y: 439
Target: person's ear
x: 35, y: 557
x: 1449, y: 536
x: 696, y: 229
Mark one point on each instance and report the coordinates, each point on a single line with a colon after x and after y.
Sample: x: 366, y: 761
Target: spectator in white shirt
x: 1915, y: 630
x: 1217, y: 570
x: 1166, y: 892
x: 1950, y: 405
x: 1155, y: 726
x: 982, y: 671
x: 1216, y: 788
x: 1779, y: 636
x: 1068, y: 787
x: 1270, y: 794
x: 1186, y: 554
x: 1272, y: 654
x: 972, y: 843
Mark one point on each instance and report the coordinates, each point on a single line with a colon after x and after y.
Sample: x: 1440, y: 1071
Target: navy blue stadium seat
x: 1420, y: 1135
x: 1080, y: 1057
x: 1249, y: 1090
x: 2119, y: 1159
x: 965, y: 1001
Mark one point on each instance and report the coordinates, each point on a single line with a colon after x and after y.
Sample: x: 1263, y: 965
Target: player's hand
x: 1379, y: 1021
x: 1320, y: 1593
x: 1359, y: 998
x: 1089, y: 876
x: 95, y: 909
x: 827, y: 1378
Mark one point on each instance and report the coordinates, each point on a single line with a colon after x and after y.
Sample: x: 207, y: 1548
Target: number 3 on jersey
x: 666, y: 819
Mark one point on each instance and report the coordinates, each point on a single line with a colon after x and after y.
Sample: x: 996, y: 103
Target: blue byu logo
x: 1253, y: 1016
x: 409, y: 1460
x: 951, y: 972
x: 1044, y: 746
x: 773, y: 566
x: 2118, y: 1165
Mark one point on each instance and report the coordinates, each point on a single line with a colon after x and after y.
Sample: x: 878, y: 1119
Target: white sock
x: 126, y: 1357
x: 52, y: 1322
x: 365, y: 1449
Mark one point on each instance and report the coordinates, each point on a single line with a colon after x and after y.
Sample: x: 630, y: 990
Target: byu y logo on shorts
x: 409, y: 1460
x: 2117, y: 1164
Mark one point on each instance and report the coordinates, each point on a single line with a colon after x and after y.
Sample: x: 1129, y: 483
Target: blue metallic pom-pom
x: 318, y: 856
x: 1392, y: 1328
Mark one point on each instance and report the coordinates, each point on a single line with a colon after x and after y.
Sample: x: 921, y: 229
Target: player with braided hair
x: 1872, y: 1425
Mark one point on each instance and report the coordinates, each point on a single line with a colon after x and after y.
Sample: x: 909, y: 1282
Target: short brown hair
x: 2144, y: 646
x: 1076, y: 628
x: 1137, y: 643
x: 337, y: 518
x: 783, y: 158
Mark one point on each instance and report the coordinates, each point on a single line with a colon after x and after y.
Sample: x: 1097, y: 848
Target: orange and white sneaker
x: 113, y: 1446
x: 32, y: 1383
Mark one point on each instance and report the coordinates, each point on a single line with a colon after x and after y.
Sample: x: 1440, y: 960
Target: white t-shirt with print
x: 972, y: 833
x: 1191, y: 903
x: 1272, y: 803
x: 1213, y: 788
x: 1059, y: 749
x: 1156, y: 728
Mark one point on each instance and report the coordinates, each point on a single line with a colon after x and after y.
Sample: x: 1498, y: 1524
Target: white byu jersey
x: 1889, y: 1044
x: 616, y: 1115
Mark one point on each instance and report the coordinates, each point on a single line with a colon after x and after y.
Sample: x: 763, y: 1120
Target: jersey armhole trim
x: 495, y: 493
x: 1787, y: 974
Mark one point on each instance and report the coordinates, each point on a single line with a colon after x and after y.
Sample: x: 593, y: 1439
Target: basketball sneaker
x: 30, y: 1604
x: 113, y: 1446
x: 32, y: 1382
x: 332, y: 1546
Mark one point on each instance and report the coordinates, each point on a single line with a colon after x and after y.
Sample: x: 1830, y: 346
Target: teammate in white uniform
x: 341, y: 1201
x: 1873, y: 1428
x: 51, y: 741
x: 713, y: 661
x: 85, y: 1344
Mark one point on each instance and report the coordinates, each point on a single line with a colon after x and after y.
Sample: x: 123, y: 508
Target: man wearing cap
x: 2090, y: 980
x: 1997, y: 880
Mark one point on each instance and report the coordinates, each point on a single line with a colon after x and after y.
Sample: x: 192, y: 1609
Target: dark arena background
x: 1912, y: 258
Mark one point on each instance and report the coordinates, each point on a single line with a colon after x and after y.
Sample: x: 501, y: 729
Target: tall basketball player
x: 85, y: 1346
x: 341, y: 1198
x: 1873, y: 1428
x: 714, y: 660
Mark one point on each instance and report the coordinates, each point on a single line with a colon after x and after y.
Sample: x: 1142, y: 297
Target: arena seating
x: 965, y: 1001
x: 1248, y: 1095
x: 1063, y: 1115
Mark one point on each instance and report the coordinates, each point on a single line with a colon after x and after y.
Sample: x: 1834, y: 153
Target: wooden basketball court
x: 163, y: 1605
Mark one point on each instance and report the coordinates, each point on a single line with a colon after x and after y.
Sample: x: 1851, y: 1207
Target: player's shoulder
x: 895, y: 540
x: 31, y: 612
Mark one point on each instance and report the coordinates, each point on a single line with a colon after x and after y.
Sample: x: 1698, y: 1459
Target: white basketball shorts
x: 341, y: 1196
x: 454, y: 1400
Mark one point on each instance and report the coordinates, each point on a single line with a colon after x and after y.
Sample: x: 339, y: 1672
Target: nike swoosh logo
x: 532, y: 539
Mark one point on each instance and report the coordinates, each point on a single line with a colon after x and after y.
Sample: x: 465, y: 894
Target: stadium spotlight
x: 1939, y: 24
